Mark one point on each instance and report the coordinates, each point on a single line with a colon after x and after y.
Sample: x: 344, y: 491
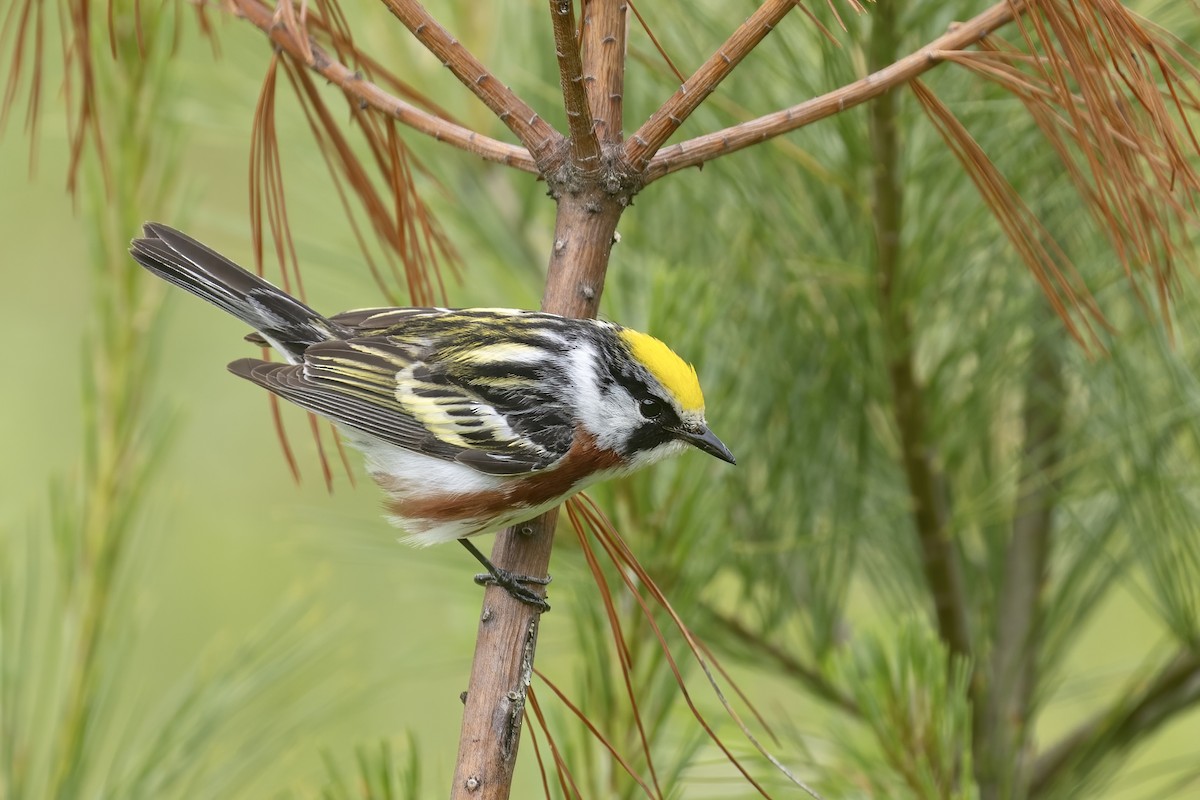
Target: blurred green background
x: 752, y: 267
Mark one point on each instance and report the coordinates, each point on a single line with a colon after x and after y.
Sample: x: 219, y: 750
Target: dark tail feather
x: 284, y: 321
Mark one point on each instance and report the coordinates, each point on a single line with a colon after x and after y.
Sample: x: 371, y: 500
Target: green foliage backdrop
x: 262, y: 632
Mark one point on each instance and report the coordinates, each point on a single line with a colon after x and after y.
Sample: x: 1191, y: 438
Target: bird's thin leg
x: 508, y: 581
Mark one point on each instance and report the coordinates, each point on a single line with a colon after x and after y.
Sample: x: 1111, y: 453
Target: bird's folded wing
x: 370, y: 320
x: 382, y: 387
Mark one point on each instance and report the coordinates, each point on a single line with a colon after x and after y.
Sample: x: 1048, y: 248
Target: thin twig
x: 585, y: 148
x: 369, y: 93
x: 604, y: 31
x: 693, y: 152
x: 538, y: 136
x: 1133, y: 716
x: 642, y: 146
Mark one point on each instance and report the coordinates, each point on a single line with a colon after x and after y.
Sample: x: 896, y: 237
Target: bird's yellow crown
x: 676, y: 375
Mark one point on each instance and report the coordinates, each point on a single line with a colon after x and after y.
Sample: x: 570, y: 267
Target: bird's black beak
x: 702, y: 438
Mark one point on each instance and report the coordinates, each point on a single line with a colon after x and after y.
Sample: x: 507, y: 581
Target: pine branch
x: 501, y: 669
x: 119, y: 437
x: 925, y: 481
x: 1132, y: 717
x: 604, y: 33
x: 1001, y: 736
x: 585, y: 148
x: 354, y: 86
x: 507, y: 638
x: 693, y: 152
x: 642, y: 146
x: 538, y: 136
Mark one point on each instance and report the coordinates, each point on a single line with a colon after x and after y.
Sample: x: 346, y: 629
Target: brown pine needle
x: 406, y: 227
x: 266, y: 189
x: 626, y: 563
x: 619, y: 639
x: 858, y: 7
x: 414, y: 245
x: 79, y: 87
x: 1115, y: 96
x: 205, y: 26
x: 537, y: 754
x: 359, y: 90
x: 392, y: 225
x: 828, y: 34
x: 1028, y: 236
x: 621, y: 555
x: 314, y: 425
x: 341, y: 449
x: 600, y: 522
x: 25, y: 24
x: 654, y: 40
x: 281, y: 432
x: 600, y: 737
x: 560, y: 765
x: 328, y: 23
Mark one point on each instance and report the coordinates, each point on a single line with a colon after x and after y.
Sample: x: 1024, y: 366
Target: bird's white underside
x: 410, y: 474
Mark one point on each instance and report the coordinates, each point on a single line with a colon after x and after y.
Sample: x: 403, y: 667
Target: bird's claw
x: 512, y: 583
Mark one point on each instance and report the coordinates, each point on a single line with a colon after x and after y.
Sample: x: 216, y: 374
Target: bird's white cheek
x: 607, y: 416
x: 617, y: 422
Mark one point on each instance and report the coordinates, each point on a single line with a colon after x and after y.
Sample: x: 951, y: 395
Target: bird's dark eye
x: 651, y: 408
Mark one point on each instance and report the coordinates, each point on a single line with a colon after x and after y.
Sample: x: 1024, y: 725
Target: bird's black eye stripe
x: 647, y: 437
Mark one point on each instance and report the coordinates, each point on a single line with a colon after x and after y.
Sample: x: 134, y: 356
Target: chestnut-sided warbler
x: 470, y: 419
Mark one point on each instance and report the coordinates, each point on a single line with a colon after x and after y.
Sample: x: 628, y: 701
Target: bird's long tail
x: 289, y: 325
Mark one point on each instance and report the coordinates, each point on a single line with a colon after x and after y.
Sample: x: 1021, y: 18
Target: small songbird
x: 471, y: 420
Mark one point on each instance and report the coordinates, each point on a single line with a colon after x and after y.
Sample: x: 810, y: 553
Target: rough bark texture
x: 604, y: 26
x: 591, y: 195
x: 504, y: 648
x: 503, y: 663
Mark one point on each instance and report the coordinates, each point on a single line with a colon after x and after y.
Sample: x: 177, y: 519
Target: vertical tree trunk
x: 507, y: 638
x: 591, y: 193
